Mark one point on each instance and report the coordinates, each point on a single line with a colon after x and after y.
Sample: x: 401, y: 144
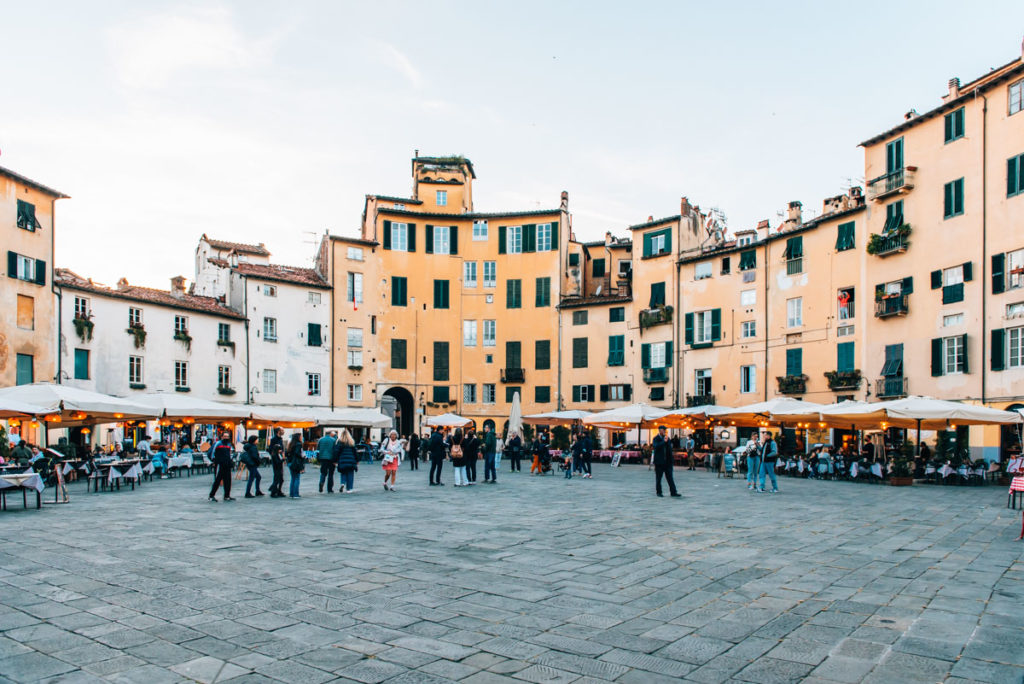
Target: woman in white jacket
x: 392, y: 450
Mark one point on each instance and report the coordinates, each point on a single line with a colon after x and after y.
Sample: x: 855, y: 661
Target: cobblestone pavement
x: 531, y: 580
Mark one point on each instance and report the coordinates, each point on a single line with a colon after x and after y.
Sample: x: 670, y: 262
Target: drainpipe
x: 330, y: 270
x: 767, y: 250
x: 53, y: 285
x: 245, y: 311
x: 676, y: 347
x: 984, y: 240
x: 562, y: 230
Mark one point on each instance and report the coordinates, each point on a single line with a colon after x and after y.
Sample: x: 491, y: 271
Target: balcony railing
x: 890, y: 242
x: 700, y: 399
x: 656, y: 316
x: 843, y: 380
x: 893, y: 305
x: 792, y: 384
x: 898, y: 181
x: 891, y: 387
x: 513, y: 375
x: 653, y: 375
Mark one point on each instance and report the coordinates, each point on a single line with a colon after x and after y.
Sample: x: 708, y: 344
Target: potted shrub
x: 902, y: 472
x: 83, y: 327
x: 138, y: 331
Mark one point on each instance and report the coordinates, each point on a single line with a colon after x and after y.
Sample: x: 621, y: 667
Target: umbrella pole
x: 918, y: 449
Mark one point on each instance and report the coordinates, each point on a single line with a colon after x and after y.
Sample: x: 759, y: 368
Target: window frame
x: 491, y: 281
x: 399, y: 236
x: 481, y: 231
x: 223, y: 377
x: 354, y: 338
x: 703, y: 270
x: 135, y: 370
x: 703, y: 330
x: 748, y: 326
x: 797, y: 320
x: 442, y: 240
x: 469, y: 393
x: 488, y: 389
x: 313, y: 385
x: 953, y: 355
x: 544, y: 237
x: 748, y: 378
x: 135, y: 316
x: 181, y: 375
x: 469, y: 332
x: 514, y: 240
x: 1015, y: 100
x: 1015, y: 360
x: 354, y: 392
x: 469, y: 273
x: 269, y: 329
x: 489, y: 338
x: 953, y: 199
x: 953, y: 120
x: 269, y: 290
x: 441, y: 198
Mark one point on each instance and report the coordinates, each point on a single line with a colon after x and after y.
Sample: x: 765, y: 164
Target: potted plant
x: 183, y: 337
x: 902, y: 473
x: 83, y: 326
x: 138, y: 331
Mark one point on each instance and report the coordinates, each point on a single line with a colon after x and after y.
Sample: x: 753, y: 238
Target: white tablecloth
x: 26, y: 480
x: 179, y: 462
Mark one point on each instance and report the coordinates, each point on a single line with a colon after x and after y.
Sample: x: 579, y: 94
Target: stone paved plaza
x: 532, y: 580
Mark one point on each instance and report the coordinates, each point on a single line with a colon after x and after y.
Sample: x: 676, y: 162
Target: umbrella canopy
x: 686, y: 417
x: 642, y: 415
x: 854, y: 415
x: 515, y: 417
x: 352, y: 417
x: 74, y: 406
x: 447, y: 420
x: 777, y: 410
x: 283, y: 416
x: 180, y: 406
x: 937, y: 414
x: 13, y: 408
x: 556, y: 417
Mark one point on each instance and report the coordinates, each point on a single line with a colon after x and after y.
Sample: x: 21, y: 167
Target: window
x: 514, y: 239
x: 355, y: 392
x: 657, y: 295
x: 442, y: 242
x: 657, y: 242
x: 469, y: 394
x: 702, y: 381
x: 223, y: 331
x: 617, y: 350
x: 513, y: 354
x: 703, y: 330
x: 314, y: 336
x: 794, y: 312
x: 617, y: 314
x: 25, y: 373
x: 134, y: 370
x: 893, y: 216
x: 744, y: 240
x: 953, y: 200
x: 399, y: 206
x: 398, y: 347
x: 846, y: 239
x: 313, y: 384
x: 1016, y: 97
x: 1015, y: 175
x: 354, y: 338
x: 543, y: 297
x: 845, y: 302
x: 597, y: 268
x: 25, y: 268
x: 659, y: 355
x: 399, y: 291
x: 81, y: 364
x: 844, y: 331
x: 440, y: 294
x: 748, y: 329
x: 440, y: 361
x: 313, y: 298
x: 952, y: 282
x: 490, y: 274
x: 748, y: 379
x: 582, y: 393
x: 748, y: 260
x: 355, y: 253
x: 1015, y: 358
x: 181, y: 375
x: 1015, y: 310
x: 748, y: 297
x: 702, y: 270
x: 794, y: 362
x: 442, y: 198
x: 270, y: 290
x: 469, y: 333
x: 893, y: 365
x: 27, y: 216
x: 542, y: 354
x: 26, y: 312
x: 469, y: 274
x: 354, y: 289
x: 954, y: 125
x: 542, y: 394
x: 181, y: 324
x: 81, y: 307
x: 270, y: 329
x: 953, y: 350
x: 135, y: 318
x: 400, y: 237
x: 1013, y: 262
x: 355, y: 358
x: 544, y: 232
x: 615, y: 392
x: 223, y: 377
x: 510, y: 393
x: 845, y: 357
x: 657, y: 394
x: 794, y: 255
x: 579, y: 352
x: 574, y: 259
x: 894, y: 156
x: 488, y: 393
x: 726, y: 265
x: 490, y: 333
x: 479, y: 231
x: 513, y: 293
x: 952, y: 320
x: 579, y: 317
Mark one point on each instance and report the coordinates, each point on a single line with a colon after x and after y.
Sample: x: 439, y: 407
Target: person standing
x: 752, y: 452
x: 296, y: 464
x: 769, y: 455
x: 325, y: 454
x: 437, y: 452
x: 471, y: 452
x: 414, y: 451
x: 577, y: 455
x: 347, y: 460
x: 277, y: 463
x: 222, y: 463
x: 391, y: 456
x: 490, y: 453
x: 535, y: 451
x: 690, y: 444
x: 458, y: 457
x: 661, y: 457
x: 251, y: 459
x: 515, y: 452
x: 587, y: 455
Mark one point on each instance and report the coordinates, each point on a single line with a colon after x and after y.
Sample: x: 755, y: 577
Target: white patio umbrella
x: 13, y: 408
x: 450, y: 420
x: 179, y: 406
x: 778, y: 410
x: 283, y: 416
x: 71, y: 406
x: 515, y: 417
x: 556, y: 417
x: 352, y: 417
x: 684, y: 417
x: 638, y: 415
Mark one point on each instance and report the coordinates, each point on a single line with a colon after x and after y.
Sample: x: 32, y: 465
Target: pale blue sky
x: 269, y: 121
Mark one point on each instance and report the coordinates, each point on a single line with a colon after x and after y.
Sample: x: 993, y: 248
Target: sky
x: 270, y: 121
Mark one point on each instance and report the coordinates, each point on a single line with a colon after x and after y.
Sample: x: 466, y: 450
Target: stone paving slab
x: 533, y: 580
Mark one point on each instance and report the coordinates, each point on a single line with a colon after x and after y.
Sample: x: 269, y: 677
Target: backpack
x: 456, y: 451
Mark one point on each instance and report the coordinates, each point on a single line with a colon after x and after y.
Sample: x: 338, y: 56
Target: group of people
x: 761, y: 458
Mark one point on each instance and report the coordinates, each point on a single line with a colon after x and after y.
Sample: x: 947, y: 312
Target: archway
x: 405, y: 409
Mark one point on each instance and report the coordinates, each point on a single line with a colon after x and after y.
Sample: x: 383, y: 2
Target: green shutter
x: 576, y: 394
x: 668, y: 354
x: 968, y: 271
x: 794, y: 247
x: 543, y: 297
x: 936, y: 357
x: 412, y: 237
x: 40, y: 272
x: 542, y: 354
x: 554, y: 236
x: 999, y: 349
x: 967, y: 354
x: 604, y: 393
x: 844, y: 357
x: 398, y: 354
x: 668, y: 240
x: 598, y: 268
x: 947, y: 200
x: 386, y: 238
x: 647, y: 244
x: 907, y: 286
x: 502, y: 230
x: 688, y: 329
x: 936, y: 279
x: 440, y: 361
x: 313, y: 336
x: 845, y: 240
x: 398, y: 291
x: 657, y: 294
x: 453, y: 240
x: 716, y: 325
x: 12, y: 265
x: 1011, y: 176
x: 949, y: 127
x: 748, y: 260
x: 428, y: 239
x: 794, y: 362
x: 879, y: 291
x: 998, y: 273
x: 645, y: 355
x: 958, y: 196
x: 530, y: 237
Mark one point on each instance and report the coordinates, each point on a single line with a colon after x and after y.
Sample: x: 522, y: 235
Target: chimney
x: 564, y: 206
x: 766, y: 226
x: 684, y: 206
x: 954, y: 88
x: 122, y: 284
x: 178, y: 286
x: 608, y: 239
x: 795, y: 213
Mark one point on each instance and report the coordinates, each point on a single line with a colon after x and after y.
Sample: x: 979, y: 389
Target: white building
x: 131, y: 339
x: 288, y: 311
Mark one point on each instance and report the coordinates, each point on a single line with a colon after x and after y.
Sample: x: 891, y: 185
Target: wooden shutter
x: 907, y: 286
x: 645, y: 355
x: 398, y: 353
x: 604, y: 393
x: 949, y: 127
x: 794, y: 361
x: 716, y: 325
x: 1011, y: 176
x: 554, y: 236
x: 998, y: 273
x: 454, y: 240
x: 12, y: 265
x: 688, y: 329
x: 844, y: 357
x: 947, y: 200
x: 386, y: 237
x: 968, y: 271
x: 412, y: 237
x: 440, y: 361
x: 590, y: 393
x: 598, y: 267
x: 313, y: 335
x: 502, y: 237
x: 40, y: 272
x: 428, y: 239
x: 668, y: 354
x: 936, y: 357
x: 530, y: 237
x: 999, y: 349
x: 627, y: 392
x: 647, y: 244
x: 967, y: 355
x: 936, y: 279
x: 542, y: 354
x: 576, y: 393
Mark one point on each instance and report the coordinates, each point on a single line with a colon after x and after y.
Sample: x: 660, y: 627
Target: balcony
x: 700, y: 399
x: 843, y: 380
x: 513, y: 375
x: 892, y: 387
x: 792, y: 384
x: 889, y: 242
x: 655, y: 375
x: 656, y: 316
x: 894, y: 183
x: 892, y: 305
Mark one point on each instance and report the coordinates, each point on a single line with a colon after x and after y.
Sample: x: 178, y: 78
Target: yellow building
x: 28, y: 320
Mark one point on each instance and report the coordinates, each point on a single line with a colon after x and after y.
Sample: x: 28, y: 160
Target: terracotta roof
x: 652, y: 223
x: 209, y: 305
x: 400, y: 200
x: 294, y: 275
x: 598, y: 300
x: 240, y: 247
x: 28, y: 181
x: 354, y: 240
x: 453, y: 160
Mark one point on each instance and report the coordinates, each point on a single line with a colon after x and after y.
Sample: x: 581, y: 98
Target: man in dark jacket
x: 276, y: 449
x: 470, y: 454
x: 437, y: 452
x: 21, y: 454
x: 515, y: 453
x: 587, y: 456
x: 414, y: 451
x: 222, y: 463
x: 490, y: 451
x: 661, y: 457
x: 251, y: 459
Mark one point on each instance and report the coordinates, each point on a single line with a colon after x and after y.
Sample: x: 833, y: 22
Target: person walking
x: 437, y: 453
x: 661, y: 457
x: 222, y: 463
x: 535, y: 451
x: 753, y: 455
x: 515, y: 453
x: 586, y: 456
x: 251, y: 459
x: 769, y: 455
x: 325, y: 455
x: 458, y: 457
x: 276, y: 449
x: 391, y: 457
x: 347, y: 460
x: 296, y: 464
x: 414, y: 451
x: 490, y: 454
x: 690, y: 444
x: 471, y: 452
x: 577, y: 454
